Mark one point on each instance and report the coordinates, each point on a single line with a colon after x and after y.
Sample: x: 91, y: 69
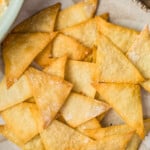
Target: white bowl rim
x: 9, y: 16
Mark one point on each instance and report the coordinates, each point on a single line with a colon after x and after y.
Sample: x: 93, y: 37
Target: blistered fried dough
x: 139, y: 53
x: 122, y: 37
x: 17, y: 93
x: 88, y: 108
x: 114, y: 142
x: 43, y: 57
x: 8, y: 133
x: 91, y: 124
x: 19, y: 50
x: 56, y: 66
x: 50, y: 93
x: 136, y: 140
x: 20, y: 121
x: 76, y: 13
x: 126, y: 101
x: 43, y: 21
x: 65, y: 45
x: 59, y: 136
x: 113, y: 65
x: 84, y: 32
x: 82, y: 74
x: 105, y: 16
x: 34, y: 144
x: 100, y: 133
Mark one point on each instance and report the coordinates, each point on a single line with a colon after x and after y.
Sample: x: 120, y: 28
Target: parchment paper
x: 123, y: 12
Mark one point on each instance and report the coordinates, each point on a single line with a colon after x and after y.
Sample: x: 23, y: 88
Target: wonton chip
x: 121, y: 36
x: 34, y: 144
x: 91, y: 124
x: 7, y: 133
x: 82, y: 75
x: 50, y: 93
x: 76, y: 13
x: 84, y: 32
x: 146, y: 85
x: 139, y: 53
x: 88, y: 108
x: 19, y: 51
x: 43, y: 21
x: 56, y: 66
x: 113, y: 65
x: 65, y: 45
x: 136, y: 140
x: 100, y: 133
x: 60, y: 136
x: 126, y: 101
x: 114, y: 142
x: 43, y: 57
x: 17, y: 93
x: 20, y: 120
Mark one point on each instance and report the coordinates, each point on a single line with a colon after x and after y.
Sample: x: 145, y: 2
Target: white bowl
x: 9, y: 16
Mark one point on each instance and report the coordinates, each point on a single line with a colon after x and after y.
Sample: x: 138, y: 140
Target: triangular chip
x: 43, y: 21
x: 17, y: 93
x: 113, y: 65
x: 105, y: 16
x: 121, y: 36
x: 9, y: 135
x: 136, y: 140
x: 56, y: 66
x: 34, y: 144
x: 19, y: 50
x: 82, y: 74
x: 146, y: 85
x: 114, y: 142
x: 139, y: 53
x: 76, y: 13
x: 100, y: 133
x: 84, y: 32
x: 88, y: 108
x: 50, y: 93
x: 43, y: 57
x: 126, y: 101
x: 59, y: 136
x: 91, y: 124
x: 65, y: 45
x: 19, y: 119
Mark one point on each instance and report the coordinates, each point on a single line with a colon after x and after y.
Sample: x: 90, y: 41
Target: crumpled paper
x: 122, y: 12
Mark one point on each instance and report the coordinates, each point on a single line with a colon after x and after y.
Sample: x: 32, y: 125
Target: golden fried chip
x: 59, y: 136
x: 19, y: 51
x: 114, y: 142
x: 43, y: 57
x: 121, y: 36
x: 91, y: 124
x: 113, y: 65
x: 136, y: 140
x: 7, y: 133
x: 126, y: 101
x: 34, y: 144
x: 100, y: 133
x: 17, y: 93
x: 50, y: 93
x: 43, y: 21
x: 56, y: 66
x: 84, y: 32
x: 76, y: 13
x: 82, y: 75
x: 146, y: 85
x: 139, y: 53
x: 105, y: 16
x: 65, y: 45
x: 19, y: 119
x: 30, y: 100
x: 88, y: 108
